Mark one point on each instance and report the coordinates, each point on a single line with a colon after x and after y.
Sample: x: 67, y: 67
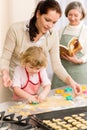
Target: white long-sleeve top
x: 17, y: 41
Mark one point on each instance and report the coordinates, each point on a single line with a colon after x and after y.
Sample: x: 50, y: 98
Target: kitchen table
x: 75, y: 102
x: 22, y: 107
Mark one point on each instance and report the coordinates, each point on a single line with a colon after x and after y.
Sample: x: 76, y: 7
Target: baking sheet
x: 61, y: 113
x: 55, y: 120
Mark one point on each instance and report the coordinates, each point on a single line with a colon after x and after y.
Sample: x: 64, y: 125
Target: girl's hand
x: 72, y: 59
x: 42, y: 96
x: 32, y: 99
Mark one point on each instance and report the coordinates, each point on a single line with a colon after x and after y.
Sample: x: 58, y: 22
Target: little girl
x: 30, y: 76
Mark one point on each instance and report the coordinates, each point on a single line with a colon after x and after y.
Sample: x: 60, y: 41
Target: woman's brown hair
x: 43, y: 7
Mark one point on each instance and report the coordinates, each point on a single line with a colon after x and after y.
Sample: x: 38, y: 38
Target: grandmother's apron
x: 77, y: 71
x: 30, y: 87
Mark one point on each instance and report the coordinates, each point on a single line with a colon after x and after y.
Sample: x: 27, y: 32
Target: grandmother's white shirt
x: 75, y: 30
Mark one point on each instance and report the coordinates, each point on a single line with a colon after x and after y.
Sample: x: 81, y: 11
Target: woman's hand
x: 6, y: 80
x: 76, y: 87
x: 72, y: 59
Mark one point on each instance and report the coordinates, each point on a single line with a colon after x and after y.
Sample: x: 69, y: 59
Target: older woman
x: 77, y: 64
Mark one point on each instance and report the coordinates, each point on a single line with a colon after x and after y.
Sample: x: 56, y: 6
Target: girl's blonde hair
x: 35, y: 56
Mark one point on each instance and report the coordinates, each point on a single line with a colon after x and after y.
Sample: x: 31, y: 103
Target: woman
x: 77, y: 64
x: 38, y: 32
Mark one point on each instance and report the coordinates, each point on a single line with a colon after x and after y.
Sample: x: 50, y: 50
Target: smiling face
x: 45, y: 22
x: 74, y: 16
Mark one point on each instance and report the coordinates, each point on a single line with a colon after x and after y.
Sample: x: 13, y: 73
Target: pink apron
x: 30, y: 87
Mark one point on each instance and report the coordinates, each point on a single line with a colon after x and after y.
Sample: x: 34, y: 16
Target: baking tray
x: 58, y: 114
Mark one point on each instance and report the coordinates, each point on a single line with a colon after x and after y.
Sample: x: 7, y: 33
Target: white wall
x: 13, y: 11
x: 21, y: 9
x: 4, y: 21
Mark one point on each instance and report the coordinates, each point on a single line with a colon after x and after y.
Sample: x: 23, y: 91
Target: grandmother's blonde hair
x: 34, y: 56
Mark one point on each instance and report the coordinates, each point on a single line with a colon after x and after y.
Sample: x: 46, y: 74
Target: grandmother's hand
x: 72, y: 59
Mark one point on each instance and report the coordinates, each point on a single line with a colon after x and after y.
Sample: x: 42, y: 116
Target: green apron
x: 77, y: 71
